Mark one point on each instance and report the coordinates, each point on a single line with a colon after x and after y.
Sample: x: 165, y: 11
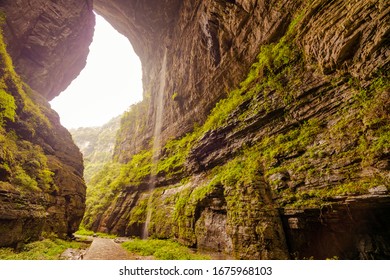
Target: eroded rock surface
x: 317, y: 114
x: 48, y: 41
x: 42, y: 190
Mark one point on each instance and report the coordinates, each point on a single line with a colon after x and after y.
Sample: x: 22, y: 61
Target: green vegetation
x: 305, y: 151
x: 7, y: 101
x: 22, y: 163
x: 139, y: 212
x: 174, y: 96
x: 96, y: 145
x: 162, y: 250
x: 85, y: 232
x: 48, y: 249
x: 273, y: 61
x: 105, y: 185
x: 186, y: 203
x: 135, y: 120
x: 175, y: 152
x: 7, y: 107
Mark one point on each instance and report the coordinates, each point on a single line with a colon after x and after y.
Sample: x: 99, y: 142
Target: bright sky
x: 107, y: 86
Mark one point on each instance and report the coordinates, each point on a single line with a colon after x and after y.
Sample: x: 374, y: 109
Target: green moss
x: 171, y: 164
x: 108, y: 182
x: 185, y: 207
x: 317, y: 198
x: 48, y: 249
x: 7, y: 107
x: 162, y: 250
x: 294, y: 141
x: 7, y: 101
x: 139, y: 212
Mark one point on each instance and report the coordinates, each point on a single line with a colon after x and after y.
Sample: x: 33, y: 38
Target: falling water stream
x: 159, y: 107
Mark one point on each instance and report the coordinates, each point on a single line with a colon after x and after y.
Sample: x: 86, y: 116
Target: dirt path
x: 107, y: 249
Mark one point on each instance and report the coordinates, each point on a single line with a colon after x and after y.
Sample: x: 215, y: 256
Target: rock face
x: 215, y: 36
x: 288, y: 165
x: 42, y: 190
x: 355, y: 229
x: 46, y: 38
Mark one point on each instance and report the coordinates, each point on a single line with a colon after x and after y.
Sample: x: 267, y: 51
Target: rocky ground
x: 102, y: 249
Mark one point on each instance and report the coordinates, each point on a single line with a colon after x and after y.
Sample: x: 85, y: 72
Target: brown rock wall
x: 341, y: 54
x: 210, y: 46
x: 41, y: 184
x: 48, y: 41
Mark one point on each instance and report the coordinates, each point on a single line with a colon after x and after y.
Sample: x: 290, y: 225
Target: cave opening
x: 110, y: 82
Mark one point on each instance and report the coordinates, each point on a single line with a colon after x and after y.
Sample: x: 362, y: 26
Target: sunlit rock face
x: 48, y: 41
x: 42, y: 190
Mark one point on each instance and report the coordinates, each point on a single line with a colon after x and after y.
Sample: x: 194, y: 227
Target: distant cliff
x: 96, y: 144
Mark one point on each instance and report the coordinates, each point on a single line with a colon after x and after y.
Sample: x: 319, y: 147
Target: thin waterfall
x: 159, y: 108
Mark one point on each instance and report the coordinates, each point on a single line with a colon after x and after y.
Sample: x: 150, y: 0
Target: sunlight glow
x: 107, y: 86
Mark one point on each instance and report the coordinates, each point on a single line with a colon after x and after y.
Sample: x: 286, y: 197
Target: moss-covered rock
x: 41, y: 185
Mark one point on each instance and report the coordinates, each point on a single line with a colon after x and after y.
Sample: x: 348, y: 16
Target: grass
x: 48, y: 249
x: 162, y: 250
x: 85, y: 232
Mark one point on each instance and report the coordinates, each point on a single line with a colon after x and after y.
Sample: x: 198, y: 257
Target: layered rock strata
x: 292, y: 170
x: 42, y: 191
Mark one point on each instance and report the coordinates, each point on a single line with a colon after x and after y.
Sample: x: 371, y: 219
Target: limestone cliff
x: 210, y: 45
x: 48, y: 41
x: 44, y: 47
x: 292, y: 162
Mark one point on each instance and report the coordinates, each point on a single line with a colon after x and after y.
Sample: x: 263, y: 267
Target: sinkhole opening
x: 110, y: 82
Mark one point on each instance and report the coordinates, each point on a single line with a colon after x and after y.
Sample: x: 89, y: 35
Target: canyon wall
x: 210, y: 47
x: 44, y: 45
x: 274, y: 129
